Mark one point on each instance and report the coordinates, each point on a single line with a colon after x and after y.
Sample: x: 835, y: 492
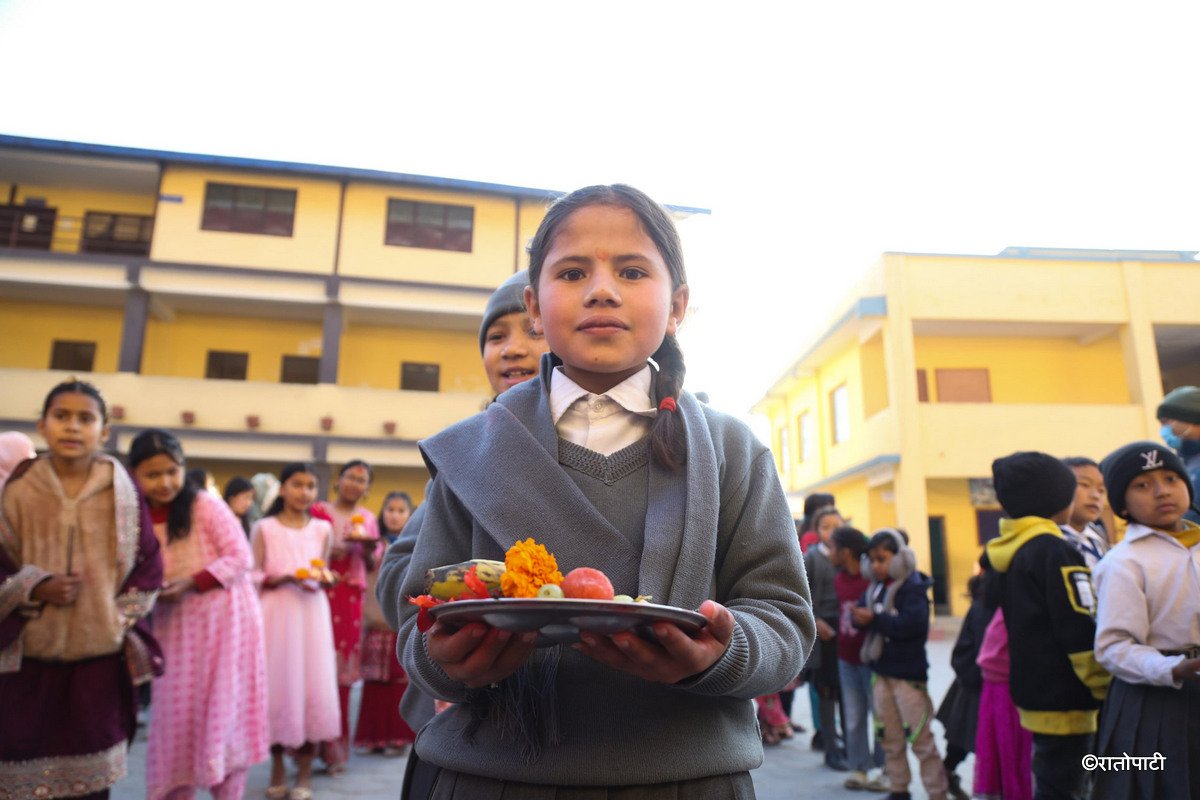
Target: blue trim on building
x: 877, y: 461
x: 264, y: 165
x: 1068, y: 254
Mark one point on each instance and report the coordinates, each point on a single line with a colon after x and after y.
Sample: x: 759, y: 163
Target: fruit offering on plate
x: 358, y: 530
x: 317, y: 572
x: 528, y: 566
x: 585, y: 583
x: 462, y: 581
x: 529, y: 570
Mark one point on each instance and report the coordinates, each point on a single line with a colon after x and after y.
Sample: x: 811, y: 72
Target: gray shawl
x: 671, y: 573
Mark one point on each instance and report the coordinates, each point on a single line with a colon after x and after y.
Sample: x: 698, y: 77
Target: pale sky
x: 820, y: 135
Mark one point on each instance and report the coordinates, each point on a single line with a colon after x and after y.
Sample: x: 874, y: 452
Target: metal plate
x: 560, y: 621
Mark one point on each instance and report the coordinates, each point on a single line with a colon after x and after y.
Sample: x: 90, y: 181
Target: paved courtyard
x: 790, y: 769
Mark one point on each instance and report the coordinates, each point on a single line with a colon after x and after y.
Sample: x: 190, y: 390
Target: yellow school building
x: 265, y: 311
x: 938, y: 364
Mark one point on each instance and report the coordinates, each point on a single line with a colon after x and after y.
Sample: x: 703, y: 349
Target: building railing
x: 42, y: 228
x: 239, y: 409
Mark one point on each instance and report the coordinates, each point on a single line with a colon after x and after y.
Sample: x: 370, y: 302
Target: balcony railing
x: 42, y: 228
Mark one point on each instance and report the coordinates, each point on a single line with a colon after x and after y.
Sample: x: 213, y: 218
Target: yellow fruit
x: 448, y: 583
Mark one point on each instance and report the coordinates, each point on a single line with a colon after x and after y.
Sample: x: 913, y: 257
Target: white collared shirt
x: 1090, y: 543
x: 606, y: 422
x: 1148, y: 590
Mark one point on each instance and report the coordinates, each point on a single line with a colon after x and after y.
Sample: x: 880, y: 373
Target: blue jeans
x: 857, y: 697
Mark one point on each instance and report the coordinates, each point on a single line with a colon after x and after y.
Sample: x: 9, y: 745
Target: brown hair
x: 668, y: 443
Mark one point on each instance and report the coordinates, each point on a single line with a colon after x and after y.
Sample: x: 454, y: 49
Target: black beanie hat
x: 1182, y: 404
x: 509, y: 298
x: 1032, y: 484
x: 1124, y: 464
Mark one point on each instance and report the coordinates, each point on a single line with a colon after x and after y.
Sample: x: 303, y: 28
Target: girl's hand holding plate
x: 477, y: 654
x: 674, y: 657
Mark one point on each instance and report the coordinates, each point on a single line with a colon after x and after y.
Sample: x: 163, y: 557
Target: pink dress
x: 1003, y: 749
x: 209, y: 716
x: 302, y: 690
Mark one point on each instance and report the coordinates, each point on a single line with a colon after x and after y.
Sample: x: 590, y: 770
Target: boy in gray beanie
x: 511, y: 349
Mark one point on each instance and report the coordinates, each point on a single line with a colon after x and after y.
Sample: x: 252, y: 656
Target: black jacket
x: 966, y: 647
x: 905, y: 630
x: 1049, y: 608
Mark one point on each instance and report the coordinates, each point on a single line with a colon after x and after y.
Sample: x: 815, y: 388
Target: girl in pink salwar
x: 209, y: 719
x: 355, y: 537
x: 291, y: 550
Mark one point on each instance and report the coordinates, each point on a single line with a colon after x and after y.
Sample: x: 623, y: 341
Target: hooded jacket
x: 904, y: 628
x: 1049, y: 608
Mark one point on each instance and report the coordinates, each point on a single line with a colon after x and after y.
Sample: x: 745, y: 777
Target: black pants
x: 418, y: 778
x: 1058, y: 772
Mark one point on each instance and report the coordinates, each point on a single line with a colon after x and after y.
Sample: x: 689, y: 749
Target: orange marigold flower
x: 303, y: 574
x: 527, y: 566
x: 317, y: 563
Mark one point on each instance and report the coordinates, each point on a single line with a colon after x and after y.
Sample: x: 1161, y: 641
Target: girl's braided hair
x: 668, y: 442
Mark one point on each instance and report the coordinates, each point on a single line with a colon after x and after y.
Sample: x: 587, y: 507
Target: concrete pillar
x: 331, y: 343
x: 320, y: 463
x: 133, y: 330
x: 899, y: 353
x: 1140, y: 350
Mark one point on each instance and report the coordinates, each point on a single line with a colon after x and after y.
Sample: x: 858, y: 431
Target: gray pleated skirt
x: 452, y: 785
x: 1142, y: 720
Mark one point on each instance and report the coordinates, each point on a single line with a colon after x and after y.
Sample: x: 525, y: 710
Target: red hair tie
x: 667, y: 404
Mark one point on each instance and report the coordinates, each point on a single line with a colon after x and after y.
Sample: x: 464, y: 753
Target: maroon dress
x: 67, y: 722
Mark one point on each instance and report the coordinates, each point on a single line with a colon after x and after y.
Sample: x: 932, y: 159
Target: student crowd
x: 1076, y: 667
x: 1075, y: 651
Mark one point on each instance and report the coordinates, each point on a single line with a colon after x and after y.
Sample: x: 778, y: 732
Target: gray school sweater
x: 718, y: 529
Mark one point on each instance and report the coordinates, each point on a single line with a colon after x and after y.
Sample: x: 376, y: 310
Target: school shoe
x: 955, y: 789
x: 836, y: 761
x: 856, y: 780
x: 818, y: 741
x: 877, y: 784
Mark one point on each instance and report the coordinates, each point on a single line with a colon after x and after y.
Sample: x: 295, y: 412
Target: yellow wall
x: 963, y: 288
x: 1032, y: 370
x: 882, y: 507
x: 530, y: 215
x: 861, y: 369
x: 852, y: 498
x: 951, y: 499
x: 179, y: 237
x: 802, y: 396
x: 873, y: 376
x: 75, y: 203
x: 364, y: 254
x: 1171, y: 291
x: 28, y: 331
x: 180, y: 348
x: 371, y: 355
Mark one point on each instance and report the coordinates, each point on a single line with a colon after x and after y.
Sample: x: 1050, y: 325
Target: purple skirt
x: 80, y: 712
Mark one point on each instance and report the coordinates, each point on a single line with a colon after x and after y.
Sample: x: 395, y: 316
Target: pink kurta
x: 209, y: 716
x: 302, y: 690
